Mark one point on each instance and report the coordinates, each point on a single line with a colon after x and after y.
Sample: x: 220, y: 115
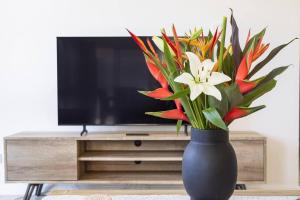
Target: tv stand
x: 84, y: 130
x: 116, y: 159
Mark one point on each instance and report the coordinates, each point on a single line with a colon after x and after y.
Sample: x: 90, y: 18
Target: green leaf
x: 177, y: 95
x: 252, y: 45
x: 221, y: 106
x: 233, y: 95
x: 237, y: 51
x: 170, y: 61
x: 275, y: 72
x: 154, y: 114
x: 196, y: 34
x: 271, y: 55
x: 178, y: 125
x: 212, y: 115
x: 228, y: 66
x: 209, y: 36
x: 253, y: 109
x: 258, y: 92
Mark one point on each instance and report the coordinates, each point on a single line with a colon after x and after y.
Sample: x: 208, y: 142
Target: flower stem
x: 198, y: 114
x: 205, y: 106
x: 200, y: 107
x: 222, y: 44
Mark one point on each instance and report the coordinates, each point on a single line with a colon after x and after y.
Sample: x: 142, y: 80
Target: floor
x: 63, y: 197
x: 18, y: 198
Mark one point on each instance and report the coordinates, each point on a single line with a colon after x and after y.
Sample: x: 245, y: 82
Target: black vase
x: 209, y: 166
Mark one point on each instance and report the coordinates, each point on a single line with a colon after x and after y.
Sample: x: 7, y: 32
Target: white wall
x: 28, y: 31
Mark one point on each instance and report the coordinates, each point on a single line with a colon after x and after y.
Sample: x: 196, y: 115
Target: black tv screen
x: 98, y: 79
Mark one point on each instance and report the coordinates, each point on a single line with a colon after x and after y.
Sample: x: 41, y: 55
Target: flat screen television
x: 98, y: 79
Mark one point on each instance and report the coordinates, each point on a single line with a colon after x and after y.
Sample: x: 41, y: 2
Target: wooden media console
x: 116, y: 158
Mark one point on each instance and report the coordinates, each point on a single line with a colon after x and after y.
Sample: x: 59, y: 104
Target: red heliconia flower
x: 162, y: 93
x: 157, y: 74
x: 152, y: 48
x: 155, y: 71
x: 246, y: 86
x: 175, y: 46
x: 170, y: 114
x: 159, y: 93
x: 260, y: 49
x: 234, y: 114
x: 238, y: 112
x: 178, y: 48
x: 174, y: 114
x: 244, y: 66
x: 248, y: 37
x: 242, y: 73
x: 139, y: 42
x: 170, y: 43
x: 214, y: 40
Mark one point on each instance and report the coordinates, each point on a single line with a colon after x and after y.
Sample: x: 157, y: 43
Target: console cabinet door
x: 251, y: 159
x: 41, y: 159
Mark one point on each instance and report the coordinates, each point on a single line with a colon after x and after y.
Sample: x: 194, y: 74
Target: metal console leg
x: 27, y: 191
x: 239, y: 186
x: 30, y: 188
x: 39, y: 189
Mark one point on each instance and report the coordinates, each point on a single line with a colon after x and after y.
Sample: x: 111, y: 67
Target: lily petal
x: 212, y: 91
x: 217, y: 78
x: 185, y: 78
x: 196, y: 90
x: 195, y: 64
x: 208, y: 64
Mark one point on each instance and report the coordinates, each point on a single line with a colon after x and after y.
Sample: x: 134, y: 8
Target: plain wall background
x: 28, y: 61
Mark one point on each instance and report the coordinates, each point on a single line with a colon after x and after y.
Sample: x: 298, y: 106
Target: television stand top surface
x: 124, y: 135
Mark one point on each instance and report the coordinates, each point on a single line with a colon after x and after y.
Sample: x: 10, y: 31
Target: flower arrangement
x: 210, y: 83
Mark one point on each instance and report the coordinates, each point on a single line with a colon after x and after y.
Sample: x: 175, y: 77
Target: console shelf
x: 132, y: 156
x: 133, y: 178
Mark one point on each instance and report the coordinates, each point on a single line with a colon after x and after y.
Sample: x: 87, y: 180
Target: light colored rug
x: 154, y: 197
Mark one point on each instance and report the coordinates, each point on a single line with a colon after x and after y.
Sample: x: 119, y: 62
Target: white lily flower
x: 202, y: 79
